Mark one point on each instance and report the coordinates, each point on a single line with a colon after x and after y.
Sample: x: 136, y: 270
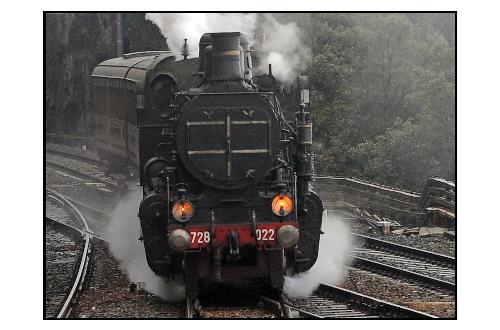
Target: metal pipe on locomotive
x: 226, y: 175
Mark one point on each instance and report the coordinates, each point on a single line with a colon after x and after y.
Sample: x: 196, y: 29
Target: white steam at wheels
x: 123, y: 233
x: 335, y: 245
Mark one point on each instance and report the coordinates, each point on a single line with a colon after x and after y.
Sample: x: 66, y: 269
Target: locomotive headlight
x: 282, y: 205
x: 288, y: 236
x: 183, y: 210
x: 178, y: 240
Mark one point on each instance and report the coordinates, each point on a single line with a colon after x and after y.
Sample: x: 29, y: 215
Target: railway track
x: 227, y: 301
x: 424, y: 267
x: 89, y: 158
x: 87, y: 179
x: 406, y: 275
x: 325, y: 307
x: 67, y: 154
x: 67, y: 247
x: 91, y: 213
x: 327, y: 302
x: 332, y: 302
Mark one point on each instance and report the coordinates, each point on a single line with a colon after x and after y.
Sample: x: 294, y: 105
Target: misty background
x: 382, y: 85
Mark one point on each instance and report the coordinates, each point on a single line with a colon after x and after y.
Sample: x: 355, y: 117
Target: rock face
x: 74, y: 44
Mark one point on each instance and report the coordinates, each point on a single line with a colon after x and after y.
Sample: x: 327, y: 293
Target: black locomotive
x: 226, y: 172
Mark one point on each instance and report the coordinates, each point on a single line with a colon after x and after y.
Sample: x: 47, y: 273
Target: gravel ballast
x: 401, y: 293
x: 108, y: 295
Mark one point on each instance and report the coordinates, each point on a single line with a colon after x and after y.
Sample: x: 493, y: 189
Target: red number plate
x: 199, y: 236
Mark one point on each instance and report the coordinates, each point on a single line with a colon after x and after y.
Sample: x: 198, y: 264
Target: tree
x: 384, y: 93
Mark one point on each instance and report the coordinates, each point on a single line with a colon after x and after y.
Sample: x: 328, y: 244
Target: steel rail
x: 189, y: 309
x: 70, y: 229
x: 278, y: 307
x: 82, y: 206
x: 359, y: 306
x: 80, y: 175
x: 372, y: 305
x: 419, y: 253
x: 84, y: 262
x: 370, y: 265
x: 73, y: 156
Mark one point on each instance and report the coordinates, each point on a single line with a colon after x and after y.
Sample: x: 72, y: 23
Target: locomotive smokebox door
x: 228, y: 146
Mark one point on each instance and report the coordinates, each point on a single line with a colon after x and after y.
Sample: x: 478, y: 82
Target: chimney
x: 226, y: 56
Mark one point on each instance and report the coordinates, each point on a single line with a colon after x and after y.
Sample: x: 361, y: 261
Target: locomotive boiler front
x: 228, y: 137
x: 228, y: 141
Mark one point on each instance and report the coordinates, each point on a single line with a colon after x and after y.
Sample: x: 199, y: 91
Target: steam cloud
x: 123, y: 233
x: 335, y: 245
x: 287, y: 52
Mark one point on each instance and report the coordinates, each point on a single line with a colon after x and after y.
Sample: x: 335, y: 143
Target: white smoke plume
x: 288, y: 53
x: 284, y: 41
x: 335, y: 245
x: 178, y: 26
x: 123, y: 233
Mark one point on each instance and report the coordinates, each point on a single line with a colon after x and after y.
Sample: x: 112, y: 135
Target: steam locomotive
x: 226, y: 171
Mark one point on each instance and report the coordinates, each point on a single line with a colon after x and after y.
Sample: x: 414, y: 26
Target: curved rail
x: 82, y: 269
x: 88, y: 209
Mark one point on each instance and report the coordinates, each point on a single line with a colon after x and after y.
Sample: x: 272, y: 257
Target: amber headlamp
x: 183, y: 210
x: 282, y: 205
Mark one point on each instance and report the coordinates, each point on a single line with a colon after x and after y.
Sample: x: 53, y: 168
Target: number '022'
x: 265, y: 234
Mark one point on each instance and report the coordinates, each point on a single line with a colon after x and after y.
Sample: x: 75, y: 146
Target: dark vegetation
x: 383, y: 95
x: 383, y: 86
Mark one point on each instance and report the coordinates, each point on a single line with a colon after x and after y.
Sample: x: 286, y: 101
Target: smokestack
x: 119, y: 35
x: 226, y: 61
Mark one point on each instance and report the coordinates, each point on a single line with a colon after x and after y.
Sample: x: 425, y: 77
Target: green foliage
x: 384, y: 96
